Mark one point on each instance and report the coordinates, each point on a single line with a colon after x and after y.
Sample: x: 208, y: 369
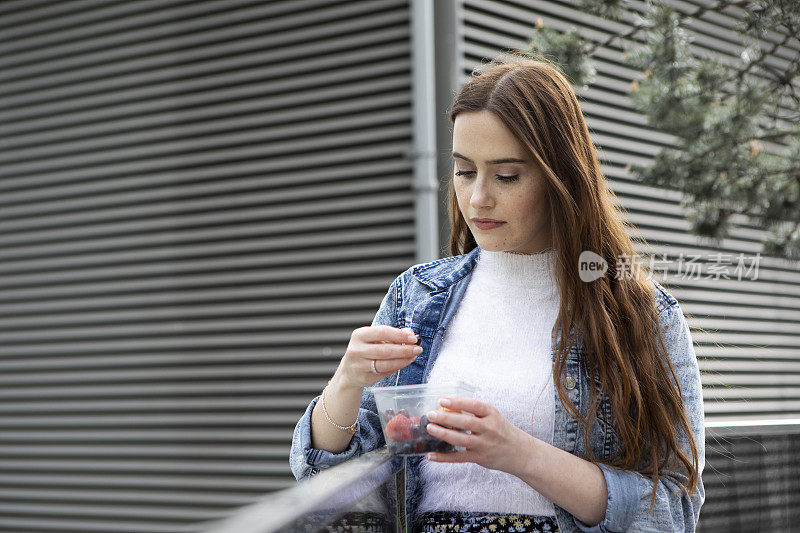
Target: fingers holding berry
x: 375, y: 352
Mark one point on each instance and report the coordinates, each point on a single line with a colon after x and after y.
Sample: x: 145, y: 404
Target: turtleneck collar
x: 519, y: 269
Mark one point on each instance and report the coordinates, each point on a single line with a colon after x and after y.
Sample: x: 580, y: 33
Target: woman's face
x: 510, y: 192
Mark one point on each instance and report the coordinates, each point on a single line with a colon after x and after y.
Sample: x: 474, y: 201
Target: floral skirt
x: 463, y: 522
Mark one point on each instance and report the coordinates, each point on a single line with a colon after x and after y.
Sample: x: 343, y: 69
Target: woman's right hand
x: 391, y: 348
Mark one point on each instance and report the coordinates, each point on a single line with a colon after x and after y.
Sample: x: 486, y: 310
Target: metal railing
x: 751, y: 479
x: 358, y: 495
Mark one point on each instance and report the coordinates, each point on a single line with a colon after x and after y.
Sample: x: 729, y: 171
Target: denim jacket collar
x: 440, y: 274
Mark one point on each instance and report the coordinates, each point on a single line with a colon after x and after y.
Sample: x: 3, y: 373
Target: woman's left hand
x: 494, y: 443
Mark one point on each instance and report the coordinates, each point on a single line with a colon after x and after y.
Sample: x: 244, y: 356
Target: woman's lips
x: 488, y: 225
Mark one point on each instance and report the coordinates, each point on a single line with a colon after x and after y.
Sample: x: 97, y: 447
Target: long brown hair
x: 616, y: 313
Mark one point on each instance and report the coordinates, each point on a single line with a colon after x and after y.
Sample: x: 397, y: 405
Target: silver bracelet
x: 351, y: 429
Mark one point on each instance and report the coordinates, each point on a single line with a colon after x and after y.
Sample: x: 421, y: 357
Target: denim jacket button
x: 569, y: 382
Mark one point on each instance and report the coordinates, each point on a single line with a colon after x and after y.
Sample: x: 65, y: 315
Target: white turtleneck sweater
x: 500, y: 341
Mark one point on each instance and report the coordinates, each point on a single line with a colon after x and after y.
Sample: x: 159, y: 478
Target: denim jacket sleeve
x: 629, y: 493
x: 306, y: 461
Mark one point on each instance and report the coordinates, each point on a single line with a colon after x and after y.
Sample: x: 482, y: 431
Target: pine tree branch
x: 787, y: 21
x: 764, y: 55
x: 722, y: 4
x: 787, y: 79
x: 723, y: 142
x: 780, y: 80
x: 788, y: 238
x: 629, y: 35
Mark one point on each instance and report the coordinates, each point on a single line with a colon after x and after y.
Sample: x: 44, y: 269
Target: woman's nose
x: 481, y: 195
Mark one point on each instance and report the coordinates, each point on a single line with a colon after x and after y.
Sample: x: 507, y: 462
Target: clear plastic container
x: 403, y: 411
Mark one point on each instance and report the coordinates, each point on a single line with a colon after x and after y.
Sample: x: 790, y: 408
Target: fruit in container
x: 402, y: 409
x: 399, y: 428
x: 409, y: 435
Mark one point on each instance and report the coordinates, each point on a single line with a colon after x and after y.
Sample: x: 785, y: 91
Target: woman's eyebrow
x: 493, y: 161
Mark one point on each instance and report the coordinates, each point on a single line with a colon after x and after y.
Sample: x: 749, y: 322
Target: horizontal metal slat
x: 726, y: 393
x: 189, y: 153
x: 725, y: 409
x: 144, y: 422
x: 180, y: 144
x: 207, y: 311
x: 275, y: 244
x: 345, y: 147
x: 222, y: 326
x: 217, y: 94
x: 112, y: 482
x: 724, y: 296
x: 263, y: 370
x: 241, y: 290
x: 21, y: 16
x: 297, y: 355
x: 194, y: 301
x: 128, y: 436
x: 753, y: 339
x: 691, y: 292
x: 106, y: 107
x: 199, y: 134
x: 222, y: 211
x: 229, y: 467
x: 46, y: 93
x: 782, y: 367
x: 221, y: 115
x: 681, y: 224
x: 173, y: 405
x: 147, y: 26
x: 750, y: 379
x: 721, y: 422
x: 689, y: 242
x: 186, y: 342
x: 230, y: 38
x: 81, y: 525
x: 45, y: 495
x: 387, y: 202
x: 174, y: 387
x: 154, y: 195
x: 754, y: 325
x: 261, y: 268
x: 745, y: 352
x: 729, y: 312
x: 118, y: 512
x: 632, y: 197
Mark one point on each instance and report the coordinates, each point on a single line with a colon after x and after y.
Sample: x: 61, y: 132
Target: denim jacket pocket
x: 425, y: 340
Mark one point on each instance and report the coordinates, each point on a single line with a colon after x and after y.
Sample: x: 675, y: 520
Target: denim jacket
x: 425, y: 298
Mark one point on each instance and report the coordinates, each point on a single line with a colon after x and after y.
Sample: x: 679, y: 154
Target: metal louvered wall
x: 199, y: 201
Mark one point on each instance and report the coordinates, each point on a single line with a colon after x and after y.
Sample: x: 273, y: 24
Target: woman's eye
x: 515, y: 177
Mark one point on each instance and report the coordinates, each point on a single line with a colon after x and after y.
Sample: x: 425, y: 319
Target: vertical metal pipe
x: 423, y: 155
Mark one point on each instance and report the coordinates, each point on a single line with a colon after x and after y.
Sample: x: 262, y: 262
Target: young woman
x: 615, y: 442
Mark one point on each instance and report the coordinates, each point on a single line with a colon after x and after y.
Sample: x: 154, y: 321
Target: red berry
x: 399, y: 428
